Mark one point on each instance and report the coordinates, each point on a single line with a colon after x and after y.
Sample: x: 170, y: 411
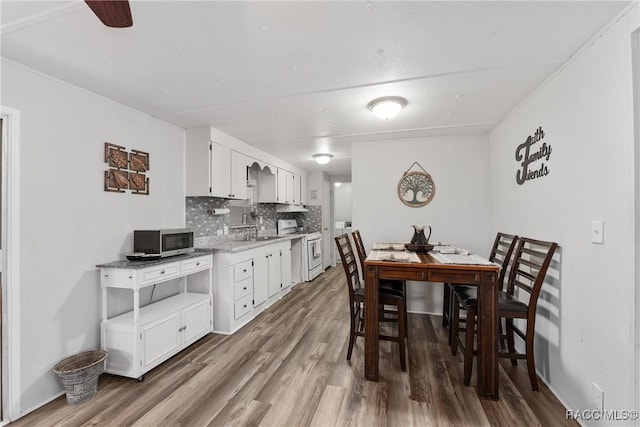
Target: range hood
x: 290, y: 208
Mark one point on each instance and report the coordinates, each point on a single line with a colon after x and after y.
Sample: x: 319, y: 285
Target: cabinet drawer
x: 242, y: 271
x: 453, y: 277
x: 160, y: 273
x: 243, y: 306
x: 196, y: 264
x: 393, y: 273
x: 243, y: 288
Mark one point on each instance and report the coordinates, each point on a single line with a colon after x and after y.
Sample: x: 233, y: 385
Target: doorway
x: 10, y: 390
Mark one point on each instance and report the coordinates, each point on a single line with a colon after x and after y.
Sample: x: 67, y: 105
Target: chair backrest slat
x: 532, y: 260
x: 349, y: 263
x: 362, y: 253
x: 501, y: 252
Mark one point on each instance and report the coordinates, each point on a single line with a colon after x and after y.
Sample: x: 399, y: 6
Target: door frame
x: 11, y: 387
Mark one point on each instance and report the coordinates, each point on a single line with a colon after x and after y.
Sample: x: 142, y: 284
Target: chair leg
x: 468, y: 345
x: 455, y: 324
x: 406, y: 314
x: 501, y: 336
x: 446, y: 308
x: 402, y: 326
x: 531, y: 364
x: 352, y: 333
x: 510, y: 341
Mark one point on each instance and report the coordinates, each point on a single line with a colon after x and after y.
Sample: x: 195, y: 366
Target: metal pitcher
x: 418, y: 235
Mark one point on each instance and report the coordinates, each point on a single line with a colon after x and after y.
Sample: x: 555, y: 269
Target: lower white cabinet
x: 247, y: 282
x: 142, y: 338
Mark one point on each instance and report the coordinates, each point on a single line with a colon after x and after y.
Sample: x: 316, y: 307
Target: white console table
x: 142, y: 338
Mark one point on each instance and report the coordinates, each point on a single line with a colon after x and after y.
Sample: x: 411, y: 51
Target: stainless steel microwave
x: 165, y: 243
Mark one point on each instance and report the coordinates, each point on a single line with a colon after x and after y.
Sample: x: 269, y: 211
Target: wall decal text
x: 528, y: 153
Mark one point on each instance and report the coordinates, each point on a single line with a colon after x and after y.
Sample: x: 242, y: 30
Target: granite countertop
x: 242, y: 245
x: 135, y: 265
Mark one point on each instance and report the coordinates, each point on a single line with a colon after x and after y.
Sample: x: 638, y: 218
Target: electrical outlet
x: 597, y: 397
x: 597, y: 231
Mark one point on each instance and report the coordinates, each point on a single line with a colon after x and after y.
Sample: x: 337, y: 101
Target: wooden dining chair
x: 501, y: 253
x: 356, y: 302
x: 518, y: 301
x: 395, y: 285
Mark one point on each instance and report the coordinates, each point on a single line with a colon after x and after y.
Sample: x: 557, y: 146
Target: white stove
x: 311, y: 248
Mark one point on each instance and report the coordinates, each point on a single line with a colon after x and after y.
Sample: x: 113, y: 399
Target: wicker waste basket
x: 79, y: 375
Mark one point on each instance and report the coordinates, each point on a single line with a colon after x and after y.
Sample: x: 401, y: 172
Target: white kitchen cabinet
x: 286, y: 187
x: 296, y: 189
x: 143, y: 337
x: 274, y: 271
x: 303, y: 190
x: 238, y: 175
x: 247, y: 282
x: 213, y: 169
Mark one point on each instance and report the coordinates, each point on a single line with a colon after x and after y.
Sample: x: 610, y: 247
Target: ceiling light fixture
x: 322, y: 158
x: 337, y: 184
x: 387, y: 107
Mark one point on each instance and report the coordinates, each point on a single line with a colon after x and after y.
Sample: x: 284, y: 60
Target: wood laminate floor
x: 288, y: 368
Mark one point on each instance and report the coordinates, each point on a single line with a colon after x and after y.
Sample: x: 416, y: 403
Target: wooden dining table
x: 429, y: 269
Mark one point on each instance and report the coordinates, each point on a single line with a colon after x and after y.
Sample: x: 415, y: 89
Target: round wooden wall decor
x: 416, y: 189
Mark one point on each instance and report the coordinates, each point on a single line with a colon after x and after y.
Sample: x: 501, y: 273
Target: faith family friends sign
x: 529, y: 153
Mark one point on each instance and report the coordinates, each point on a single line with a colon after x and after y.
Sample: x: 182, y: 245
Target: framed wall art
x: 416, y: 187
x: 127, y: 171
x: 116, y: 180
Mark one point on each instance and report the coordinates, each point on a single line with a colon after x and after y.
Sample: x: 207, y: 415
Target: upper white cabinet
x: 220, y: 178
x: 238, y: 175
x: 303, y: 190
x: 289, y: 188
x: 213, y: 169
x: 232, y: 170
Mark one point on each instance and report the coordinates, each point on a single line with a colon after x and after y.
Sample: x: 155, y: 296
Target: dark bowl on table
x: 421, y: 249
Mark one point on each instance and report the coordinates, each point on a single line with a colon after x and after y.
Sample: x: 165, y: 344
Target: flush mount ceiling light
x: 322, y: 158
x: 387, y: 107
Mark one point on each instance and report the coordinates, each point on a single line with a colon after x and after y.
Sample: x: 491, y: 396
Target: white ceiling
x: 294, y: 78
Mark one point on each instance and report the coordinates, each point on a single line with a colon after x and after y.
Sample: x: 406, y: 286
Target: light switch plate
x: 597, y: 231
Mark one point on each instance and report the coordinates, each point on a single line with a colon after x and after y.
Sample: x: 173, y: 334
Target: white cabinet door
x: 238, y: 186
x: 281, y: 197
x: 291, y: 199
x: 275, y: 273
x: 296, y: 189
x: 196, y: 322
x: 160, y: 339
x: 303, y: 190
x: 220, y: 171
x: 285, y: 262
x: 261, y: 279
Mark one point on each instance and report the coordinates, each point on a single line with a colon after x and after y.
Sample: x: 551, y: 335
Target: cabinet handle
x: 244, y: 289
x: 106, y: 275
x: 131, y: 276
x: 244, y: 271
x: 245, y: 305
x: 162, y: 272
x: 197, y: 263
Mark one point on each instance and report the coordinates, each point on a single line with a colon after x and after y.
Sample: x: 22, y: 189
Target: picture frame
x: 116, y: 180
x: 138, y: 183
x: 138, y: 161
x: 116, y: 156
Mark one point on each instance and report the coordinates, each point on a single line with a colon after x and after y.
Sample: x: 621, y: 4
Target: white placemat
x: 388, y: 246
x: 461, y: 259
x: 393, y: 256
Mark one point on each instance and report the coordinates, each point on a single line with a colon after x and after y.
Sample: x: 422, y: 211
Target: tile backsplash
x: 205, y: 224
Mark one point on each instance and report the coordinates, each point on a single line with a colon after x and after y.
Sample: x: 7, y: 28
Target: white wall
x: 69, y: 224
x: 458, y: 213
x: 585, y: 328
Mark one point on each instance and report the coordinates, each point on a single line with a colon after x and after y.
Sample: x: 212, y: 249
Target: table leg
x: 371, y: 325
x: 488, y: 336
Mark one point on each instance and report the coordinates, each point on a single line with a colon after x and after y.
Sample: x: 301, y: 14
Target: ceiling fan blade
x: 112, y: 13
